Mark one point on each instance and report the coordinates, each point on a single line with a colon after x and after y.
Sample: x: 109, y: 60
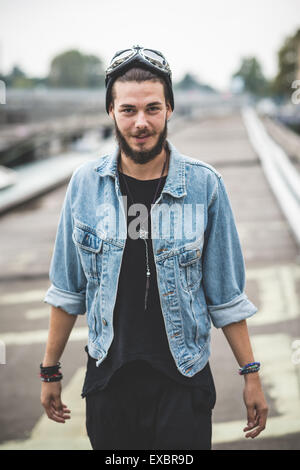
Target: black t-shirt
x: 138, y: 333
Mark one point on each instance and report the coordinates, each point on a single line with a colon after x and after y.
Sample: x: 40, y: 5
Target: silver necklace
x: 143, y: 234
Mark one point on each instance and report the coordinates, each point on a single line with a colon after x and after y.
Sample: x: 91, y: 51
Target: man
x: 147, y: 247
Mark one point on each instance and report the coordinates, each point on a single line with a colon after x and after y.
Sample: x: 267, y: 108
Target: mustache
x: 142, y: 135
x: 141, y: 157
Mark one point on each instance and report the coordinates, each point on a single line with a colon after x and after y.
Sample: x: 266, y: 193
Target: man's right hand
x: 51, y: 401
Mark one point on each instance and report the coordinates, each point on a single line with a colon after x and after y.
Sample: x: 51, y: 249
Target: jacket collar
x: 175, y: 182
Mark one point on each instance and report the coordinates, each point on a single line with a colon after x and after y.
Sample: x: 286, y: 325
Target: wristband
x: 50, y: 369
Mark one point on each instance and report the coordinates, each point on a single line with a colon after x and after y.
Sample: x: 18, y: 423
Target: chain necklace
x: 143, y: 234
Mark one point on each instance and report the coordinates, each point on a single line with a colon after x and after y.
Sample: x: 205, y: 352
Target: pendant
x: 143, y: 234
x: 147, y: 288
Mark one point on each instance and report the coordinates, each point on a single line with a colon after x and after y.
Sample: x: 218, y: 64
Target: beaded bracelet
x: 51, y: 378
x: 249, y: 368
x: 50, y: 373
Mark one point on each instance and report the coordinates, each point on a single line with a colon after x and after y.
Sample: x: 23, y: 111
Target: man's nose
x: 141, y: 120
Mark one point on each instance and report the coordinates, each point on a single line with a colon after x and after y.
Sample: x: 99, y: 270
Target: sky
x: 205, y: 38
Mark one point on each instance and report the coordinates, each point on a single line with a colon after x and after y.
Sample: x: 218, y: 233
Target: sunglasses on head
x: 151, y: 56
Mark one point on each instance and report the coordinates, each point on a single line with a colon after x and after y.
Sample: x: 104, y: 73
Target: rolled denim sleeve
x: 68, y: 281
x: 223, y: 263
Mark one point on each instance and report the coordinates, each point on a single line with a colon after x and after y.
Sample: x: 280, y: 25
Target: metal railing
x: 279, y: 171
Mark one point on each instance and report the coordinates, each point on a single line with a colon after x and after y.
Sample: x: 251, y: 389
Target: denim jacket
x: 197, y: 253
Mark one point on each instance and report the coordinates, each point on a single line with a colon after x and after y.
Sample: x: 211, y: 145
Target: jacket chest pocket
x: 89, y: 246
x: 190, y: 268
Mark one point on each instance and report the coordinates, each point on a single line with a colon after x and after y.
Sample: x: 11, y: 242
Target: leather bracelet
x: 50, y: 369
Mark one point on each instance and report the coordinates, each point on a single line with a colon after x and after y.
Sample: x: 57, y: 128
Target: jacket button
x: 104, y: 321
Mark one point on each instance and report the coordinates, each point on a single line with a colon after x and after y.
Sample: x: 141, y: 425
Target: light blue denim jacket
x: 197, y: 253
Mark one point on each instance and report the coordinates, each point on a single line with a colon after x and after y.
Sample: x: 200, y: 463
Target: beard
x: 141, y: 156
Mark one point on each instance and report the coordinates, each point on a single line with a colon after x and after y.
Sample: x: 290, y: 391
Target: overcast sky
x: 207, y: 38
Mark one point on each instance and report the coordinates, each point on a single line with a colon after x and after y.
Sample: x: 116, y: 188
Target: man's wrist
x: 51, y: 373
x: 50, y: 360
x: 49, y: 363
x: 252, y: 377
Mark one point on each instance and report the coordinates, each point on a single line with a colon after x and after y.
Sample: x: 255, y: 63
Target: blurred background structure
x: 236, y: 76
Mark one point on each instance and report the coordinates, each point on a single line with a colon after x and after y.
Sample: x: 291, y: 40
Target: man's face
x: 140, y: 114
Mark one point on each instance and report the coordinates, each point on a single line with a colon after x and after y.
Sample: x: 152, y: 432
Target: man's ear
x: 111, y: 111
x: 169, y: 110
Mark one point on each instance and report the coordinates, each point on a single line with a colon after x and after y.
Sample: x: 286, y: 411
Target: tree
x: 288, y: 63
x: 250, y: 72
x: 16, y: 78
x: 72, y: 69
x: 189, y: 82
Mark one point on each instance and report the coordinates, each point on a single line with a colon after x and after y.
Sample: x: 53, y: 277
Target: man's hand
x: 51, y: 401
x: 61, y: 324
x: 257, y: 409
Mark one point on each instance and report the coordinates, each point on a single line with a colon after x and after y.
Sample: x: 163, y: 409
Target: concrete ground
x: 273, y: 285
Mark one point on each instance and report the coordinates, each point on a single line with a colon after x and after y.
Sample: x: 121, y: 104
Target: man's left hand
x: 257, y: 409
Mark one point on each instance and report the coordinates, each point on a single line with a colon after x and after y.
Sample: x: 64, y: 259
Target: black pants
x: 141, y: 408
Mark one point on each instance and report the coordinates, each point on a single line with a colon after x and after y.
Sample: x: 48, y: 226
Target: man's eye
x: 151, y: 109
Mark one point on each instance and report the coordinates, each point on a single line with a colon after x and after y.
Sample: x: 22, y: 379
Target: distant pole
x: 1, y: 70
x: 298, y: 59
x: 2, y: 83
